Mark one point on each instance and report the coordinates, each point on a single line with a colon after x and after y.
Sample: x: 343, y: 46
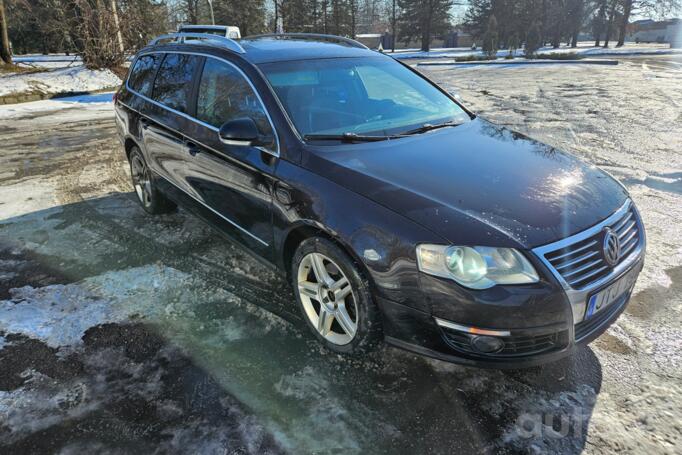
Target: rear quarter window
x: 173, y: 83
x: 142, y: 75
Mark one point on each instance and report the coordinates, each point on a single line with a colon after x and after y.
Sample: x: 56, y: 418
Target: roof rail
x: 318, y: 36
x: 181, y: 37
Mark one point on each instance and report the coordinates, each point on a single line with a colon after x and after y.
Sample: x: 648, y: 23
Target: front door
x: 235, y: 182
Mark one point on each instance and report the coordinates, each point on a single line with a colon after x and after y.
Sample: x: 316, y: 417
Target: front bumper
x: 526, y: 346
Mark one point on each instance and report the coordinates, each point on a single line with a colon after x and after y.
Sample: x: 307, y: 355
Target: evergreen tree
x: 423, y: 20
x: 490, y: 38
x: 248, y: 16
x: 533, y: 41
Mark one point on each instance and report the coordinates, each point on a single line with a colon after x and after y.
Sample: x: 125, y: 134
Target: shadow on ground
x: 124, y: 332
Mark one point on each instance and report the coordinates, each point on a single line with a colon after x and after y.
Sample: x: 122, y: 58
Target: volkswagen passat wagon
x: 396, y: 213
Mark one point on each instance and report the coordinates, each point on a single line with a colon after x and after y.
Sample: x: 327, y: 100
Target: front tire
x: 149, y: 197
x: 335, y: 300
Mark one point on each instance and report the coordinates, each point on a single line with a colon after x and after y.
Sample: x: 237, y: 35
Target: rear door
x: 169, y: 115
x: 233, y: 181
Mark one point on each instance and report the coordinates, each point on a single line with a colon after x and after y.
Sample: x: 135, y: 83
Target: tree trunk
x: 353, y: 7
x: 556, y: 40
x: 609, y: 25
x: 119, y: 36
x: 393, y: 30
x: 5, y: 53
x: 276, y: 16
x: 426, y: 30
x: 627, y: 9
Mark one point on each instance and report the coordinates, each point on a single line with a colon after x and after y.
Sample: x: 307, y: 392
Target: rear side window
x: 173, y: 83
x: 224, y: 94
x: 142, y: 76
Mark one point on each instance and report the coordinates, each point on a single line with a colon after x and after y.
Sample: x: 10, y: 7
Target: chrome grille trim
x: 594, y: 242
x: 628, y: 225
x: 577, y: 260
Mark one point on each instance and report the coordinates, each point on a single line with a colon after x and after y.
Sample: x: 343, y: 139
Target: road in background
x: 125, y: 332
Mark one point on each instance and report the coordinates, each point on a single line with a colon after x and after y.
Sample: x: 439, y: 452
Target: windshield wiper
x: 429, y: 127
x: 346, y: 137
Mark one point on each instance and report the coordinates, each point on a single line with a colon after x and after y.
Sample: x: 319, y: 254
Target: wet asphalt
x: 155, y: 334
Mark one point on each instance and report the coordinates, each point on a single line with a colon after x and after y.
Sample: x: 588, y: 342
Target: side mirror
x: 242, y: 132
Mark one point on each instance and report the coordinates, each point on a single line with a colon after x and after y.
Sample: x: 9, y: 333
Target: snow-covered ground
x: 118, y: 329
x: 60, y: 80
x: 583, y: 49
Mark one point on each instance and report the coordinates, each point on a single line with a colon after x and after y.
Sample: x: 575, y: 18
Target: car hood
x: 477, y: 183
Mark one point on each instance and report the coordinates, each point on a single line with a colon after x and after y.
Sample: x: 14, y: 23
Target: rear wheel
x: 148, y: 196
x: 334, y: 298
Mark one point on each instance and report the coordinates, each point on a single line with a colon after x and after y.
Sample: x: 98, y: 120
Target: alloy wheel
x: 141, y: 180
x: 328, y: 298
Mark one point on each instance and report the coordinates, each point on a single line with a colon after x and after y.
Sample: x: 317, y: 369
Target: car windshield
x: 358, y: 96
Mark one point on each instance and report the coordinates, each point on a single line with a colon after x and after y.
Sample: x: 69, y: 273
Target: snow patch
x: 3, y: 342
x: 59, y: 315
x: 583, y: 49
x: 66, y: 110
x: 63, y: 80
x: 41, y: 402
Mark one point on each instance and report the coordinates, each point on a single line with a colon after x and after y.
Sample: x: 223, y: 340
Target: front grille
x: 513, y: 345
x: 582, y: 263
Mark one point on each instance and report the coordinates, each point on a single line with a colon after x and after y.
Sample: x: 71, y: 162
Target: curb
x: 669, y: 51
x: 523, y: 62
x: 28, y: 97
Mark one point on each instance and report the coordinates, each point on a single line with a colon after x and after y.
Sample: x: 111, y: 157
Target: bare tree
x: 119, y: 35
x: 5, y: 52
x: 97, y: 35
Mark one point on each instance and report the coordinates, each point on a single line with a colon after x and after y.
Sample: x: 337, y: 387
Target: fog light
x: 487, y: 345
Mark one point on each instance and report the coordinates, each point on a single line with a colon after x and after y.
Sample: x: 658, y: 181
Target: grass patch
x: 120, y: 71
x: 473, y: 58
x: 561, y: 56
x: 16, y: 69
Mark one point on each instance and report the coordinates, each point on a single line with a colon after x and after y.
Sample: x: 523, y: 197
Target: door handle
x: 192, y: 148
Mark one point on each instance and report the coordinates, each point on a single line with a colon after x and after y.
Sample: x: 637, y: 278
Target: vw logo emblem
x: 611, y: 247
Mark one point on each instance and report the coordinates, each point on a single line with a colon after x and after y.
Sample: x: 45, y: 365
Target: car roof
x: 276, y: 49
x: 271, y: 48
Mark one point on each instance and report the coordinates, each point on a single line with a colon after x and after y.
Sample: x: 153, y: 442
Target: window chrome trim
x: 578, y: 298
x: 275, y: 153
x: 233, y: 223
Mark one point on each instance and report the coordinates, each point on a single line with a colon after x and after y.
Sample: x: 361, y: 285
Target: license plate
x: 610, y: 294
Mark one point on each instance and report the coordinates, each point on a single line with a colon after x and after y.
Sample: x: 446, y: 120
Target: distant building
x: 372, y: 40
x: 457, y: 38
x: 650, y: 31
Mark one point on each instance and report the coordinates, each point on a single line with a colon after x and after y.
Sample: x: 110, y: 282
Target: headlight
x: 478, y: 267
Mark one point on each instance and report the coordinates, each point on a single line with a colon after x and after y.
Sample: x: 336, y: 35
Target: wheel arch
x: 307, y: 229
x: 128, y: 145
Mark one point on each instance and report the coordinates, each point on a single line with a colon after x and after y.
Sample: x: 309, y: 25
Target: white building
x: 650, y: 31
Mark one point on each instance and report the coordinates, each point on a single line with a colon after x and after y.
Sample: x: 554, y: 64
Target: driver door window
x: 224, y: 95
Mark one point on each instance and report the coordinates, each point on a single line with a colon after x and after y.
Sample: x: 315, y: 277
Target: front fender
x: 380, y: 240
